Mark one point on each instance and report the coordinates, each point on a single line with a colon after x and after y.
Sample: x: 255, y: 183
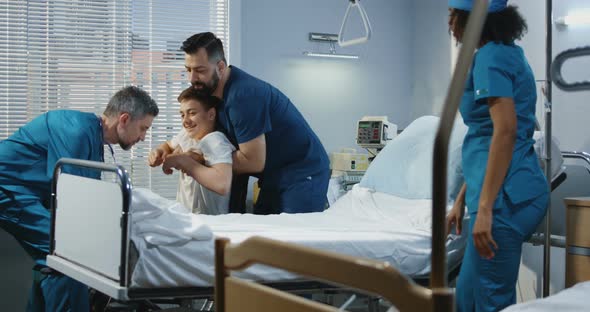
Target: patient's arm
x: 216, y: 178
x: 197, y: 157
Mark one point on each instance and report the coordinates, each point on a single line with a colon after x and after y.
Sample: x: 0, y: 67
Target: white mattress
x: 361, y: 223
x: 571, y: 299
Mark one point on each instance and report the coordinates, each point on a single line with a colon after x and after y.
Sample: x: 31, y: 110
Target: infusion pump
x: 374, y: 132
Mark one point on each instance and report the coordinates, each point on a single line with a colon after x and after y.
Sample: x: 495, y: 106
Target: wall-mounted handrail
x: 557, y: 67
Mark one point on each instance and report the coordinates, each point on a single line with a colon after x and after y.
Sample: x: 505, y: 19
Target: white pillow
x: 404, y: 167
x: 556, y: 158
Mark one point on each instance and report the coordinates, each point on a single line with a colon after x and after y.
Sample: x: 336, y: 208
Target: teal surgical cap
x: 467, y: 5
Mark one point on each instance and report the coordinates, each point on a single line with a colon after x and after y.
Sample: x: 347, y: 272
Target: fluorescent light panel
x: 331, y: 55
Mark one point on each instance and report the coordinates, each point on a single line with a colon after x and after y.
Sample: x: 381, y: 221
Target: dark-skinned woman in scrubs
x: 505, y: 190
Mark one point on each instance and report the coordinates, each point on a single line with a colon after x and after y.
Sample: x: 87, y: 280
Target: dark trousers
x: 28, y: 220
x: 299, y: 196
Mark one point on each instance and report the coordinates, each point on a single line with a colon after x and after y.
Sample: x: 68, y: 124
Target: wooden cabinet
x: 577, y: 259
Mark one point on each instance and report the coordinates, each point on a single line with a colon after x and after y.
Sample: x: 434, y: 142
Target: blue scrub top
x: 253, y: 107
x: 500, y: 70
x: 28, y: 157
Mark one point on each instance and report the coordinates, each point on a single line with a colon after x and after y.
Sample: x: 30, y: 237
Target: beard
x: 207, y: 88
x: 125, y: 146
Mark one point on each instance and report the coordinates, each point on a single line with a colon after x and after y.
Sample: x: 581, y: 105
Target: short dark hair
x: 207, y: 101
x: 132, y: 100
x: 209, y: 42
x: 503, y: 26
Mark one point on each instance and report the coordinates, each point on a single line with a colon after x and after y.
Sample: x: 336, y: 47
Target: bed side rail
x: 125, y: 185
x: 557, y: 65
x: 577, y: 155
x: 366, y: 275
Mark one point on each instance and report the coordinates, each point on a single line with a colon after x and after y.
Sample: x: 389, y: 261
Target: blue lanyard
x: 112, y: 153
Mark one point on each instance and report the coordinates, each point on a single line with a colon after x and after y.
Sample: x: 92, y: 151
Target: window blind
x: 74, y: 54
x: 13, y: 66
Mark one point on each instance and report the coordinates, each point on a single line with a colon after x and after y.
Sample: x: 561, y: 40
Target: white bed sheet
x: 361, y: 223
x: 571, y: 299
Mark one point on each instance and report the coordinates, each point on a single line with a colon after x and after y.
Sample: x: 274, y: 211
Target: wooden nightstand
x: 577, y: 259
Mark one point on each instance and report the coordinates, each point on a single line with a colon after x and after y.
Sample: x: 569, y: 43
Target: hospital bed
x: 90, y: 213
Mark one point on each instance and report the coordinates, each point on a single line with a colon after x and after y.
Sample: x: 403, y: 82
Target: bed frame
x: 365, y: 275
x: 109, y: 268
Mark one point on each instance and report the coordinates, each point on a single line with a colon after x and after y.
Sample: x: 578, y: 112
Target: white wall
x: 432, y: 57
x: 332, y: 94
x: 571, y: 109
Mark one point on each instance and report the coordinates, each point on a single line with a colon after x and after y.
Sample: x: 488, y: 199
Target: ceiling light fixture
x: 577, y: 18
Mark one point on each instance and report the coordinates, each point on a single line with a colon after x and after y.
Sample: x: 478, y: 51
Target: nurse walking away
x: 27, y: 161
x: 505, y: 190
x: 274, y: 141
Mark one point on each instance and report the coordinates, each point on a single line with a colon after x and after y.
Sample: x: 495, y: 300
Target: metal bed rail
x: 126, y: 187
x: 577, y: 155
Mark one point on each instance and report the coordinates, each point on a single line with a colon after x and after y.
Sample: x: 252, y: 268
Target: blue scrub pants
x: 25, y: 218
x: 306, y: 195
x: 490, y: 285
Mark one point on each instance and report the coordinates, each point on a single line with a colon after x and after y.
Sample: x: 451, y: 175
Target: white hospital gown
x: 216, y: 149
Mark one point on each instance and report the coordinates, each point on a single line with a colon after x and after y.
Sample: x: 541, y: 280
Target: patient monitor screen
x: 369, y: 132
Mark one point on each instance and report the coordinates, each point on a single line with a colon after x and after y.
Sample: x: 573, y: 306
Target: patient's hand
x: 198, y: 157
x: 156, y: 157
x: 181, y: 161
x: 172, y: 161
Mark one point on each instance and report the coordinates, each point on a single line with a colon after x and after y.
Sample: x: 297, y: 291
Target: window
x: 74, y: 54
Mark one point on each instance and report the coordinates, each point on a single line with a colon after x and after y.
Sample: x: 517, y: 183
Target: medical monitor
x: 374, y: 132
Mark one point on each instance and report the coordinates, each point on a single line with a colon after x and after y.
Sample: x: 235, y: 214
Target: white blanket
x: 361, y: 223
x: 568, y: 300
x: 160, y: 221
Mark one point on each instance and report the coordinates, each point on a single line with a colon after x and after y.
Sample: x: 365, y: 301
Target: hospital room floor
x: 359, y: 304
x: 15, y: 269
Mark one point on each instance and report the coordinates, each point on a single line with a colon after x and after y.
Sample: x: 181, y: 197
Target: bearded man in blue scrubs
x: 274, y: 141
x: 505, y: 190
x: 27, y: 161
